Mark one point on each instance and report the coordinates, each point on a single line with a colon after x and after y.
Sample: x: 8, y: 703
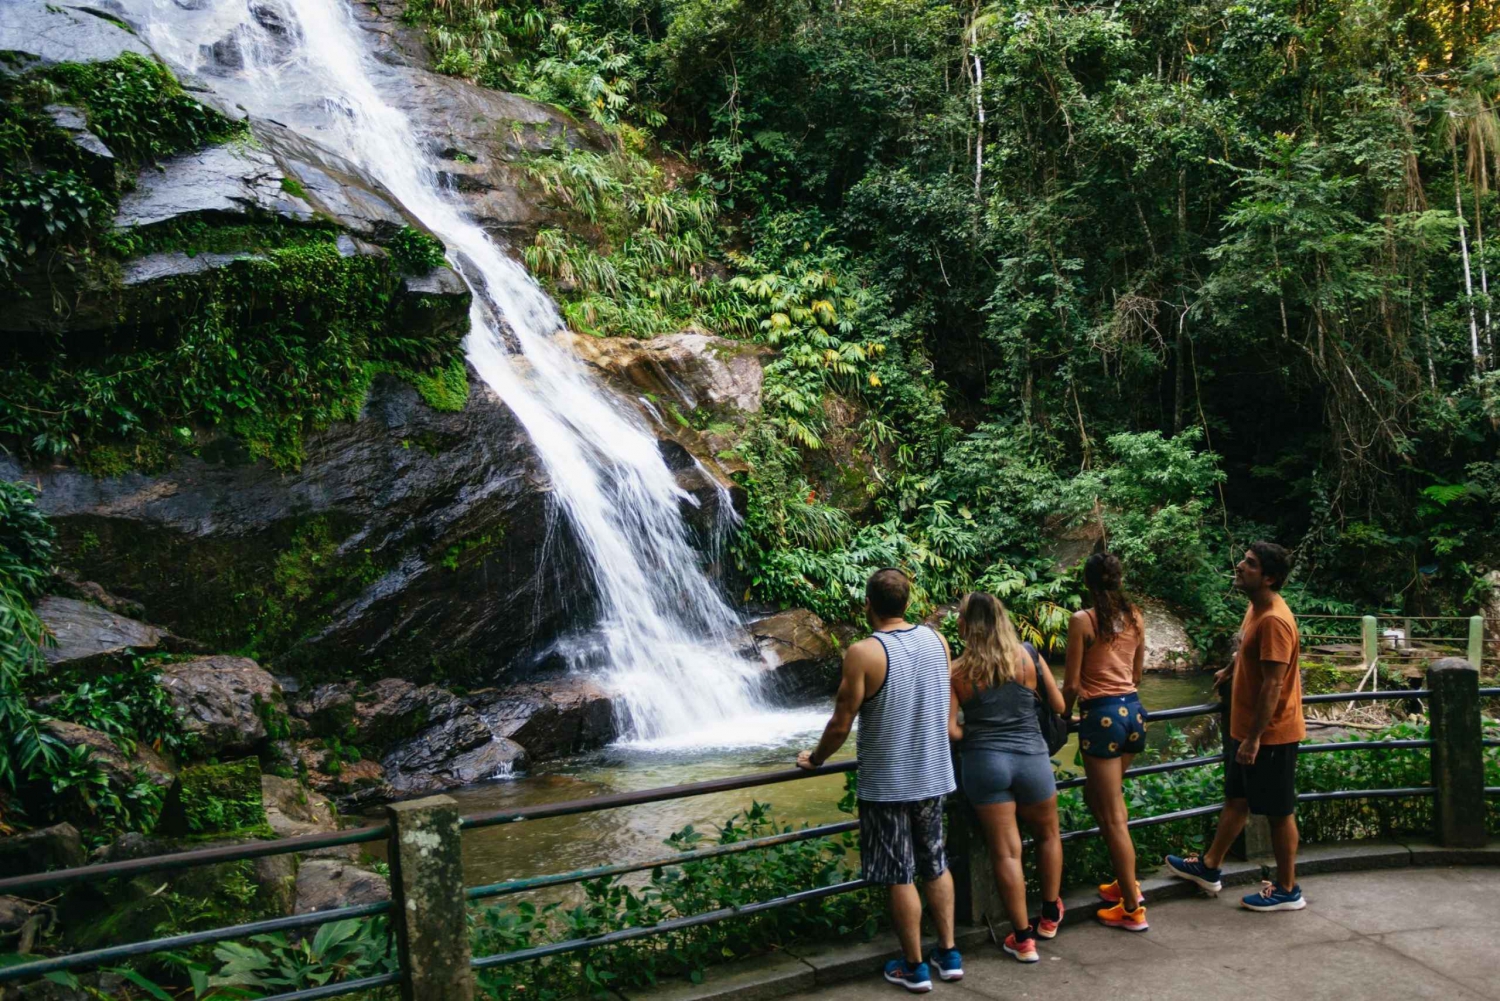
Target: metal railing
x: 1457, y: 744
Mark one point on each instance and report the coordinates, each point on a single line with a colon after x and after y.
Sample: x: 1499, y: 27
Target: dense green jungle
x: 1031, y: 277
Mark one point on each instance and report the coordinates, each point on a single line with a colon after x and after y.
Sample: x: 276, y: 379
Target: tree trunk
x: 1463, y: 246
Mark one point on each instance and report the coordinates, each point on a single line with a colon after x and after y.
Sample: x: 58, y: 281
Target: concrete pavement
x: 1409, y: 933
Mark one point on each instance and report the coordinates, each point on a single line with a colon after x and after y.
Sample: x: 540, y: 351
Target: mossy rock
x: 216, y: 800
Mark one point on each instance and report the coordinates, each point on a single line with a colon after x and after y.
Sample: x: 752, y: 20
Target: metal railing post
x: 1457, y: 754
x: 1476, y: 642
x: 1369, y: 640
x: 427, y: 900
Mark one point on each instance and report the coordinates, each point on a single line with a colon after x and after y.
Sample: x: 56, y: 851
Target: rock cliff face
x: 411, y: 542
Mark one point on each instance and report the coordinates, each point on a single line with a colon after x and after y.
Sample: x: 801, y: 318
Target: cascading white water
x: 668, y: 639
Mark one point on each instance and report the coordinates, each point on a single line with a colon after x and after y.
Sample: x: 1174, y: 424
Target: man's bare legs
x: 1284, y: 844
x: 1232, y: 820
x: 906, y: 914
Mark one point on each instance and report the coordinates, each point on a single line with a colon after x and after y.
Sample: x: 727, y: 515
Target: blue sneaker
x: 1192, y: 868
x: 1273, y: 898
x: 913, y: 976
x: 949, y: 964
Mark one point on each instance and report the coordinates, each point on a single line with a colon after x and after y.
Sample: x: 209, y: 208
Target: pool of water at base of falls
x: 767, y: 742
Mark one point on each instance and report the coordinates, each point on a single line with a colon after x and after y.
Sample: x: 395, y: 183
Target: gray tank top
x: 903, y: 727
x: 1003, y: 719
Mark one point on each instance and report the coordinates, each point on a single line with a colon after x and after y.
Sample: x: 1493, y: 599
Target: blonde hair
x: 992, y: 653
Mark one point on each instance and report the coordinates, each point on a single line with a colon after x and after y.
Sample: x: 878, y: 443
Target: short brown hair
x: 1275, y: 561
x: 888, y: 591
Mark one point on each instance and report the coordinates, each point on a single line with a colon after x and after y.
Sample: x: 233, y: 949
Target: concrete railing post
x: 976, y: 894
x: 1476, y: 642
x: 427, y: 901
x: 1369, y: 640
x: 1457, y: 754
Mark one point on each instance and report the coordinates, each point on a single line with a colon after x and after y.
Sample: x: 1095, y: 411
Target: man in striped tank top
x: 896, y: 684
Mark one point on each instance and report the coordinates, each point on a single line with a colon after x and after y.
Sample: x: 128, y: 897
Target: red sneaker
x: 1025, y: 952
x: 1048, y: 929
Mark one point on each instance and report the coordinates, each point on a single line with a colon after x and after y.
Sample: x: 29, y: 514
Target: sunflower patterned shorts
x: 1112, y: 725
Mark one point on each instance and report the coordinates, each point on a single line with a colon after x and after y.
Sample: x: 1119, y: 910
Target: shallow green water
x: 561, y: 844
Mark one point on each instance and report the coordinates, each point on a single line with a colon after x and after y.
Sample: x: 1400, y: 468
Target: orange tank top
x: 1109, y: 665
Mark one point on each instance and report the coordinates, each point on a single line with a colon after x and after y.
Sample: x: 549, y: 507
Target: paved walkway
x: 1396, y: 934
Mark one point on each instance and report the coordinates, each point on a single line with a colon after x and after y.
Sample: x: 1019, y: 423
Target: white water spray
x: 668, y: 640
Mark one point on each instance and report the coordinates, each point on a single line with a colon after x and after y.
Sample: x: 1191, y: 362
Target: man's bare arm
x: 858, y: 661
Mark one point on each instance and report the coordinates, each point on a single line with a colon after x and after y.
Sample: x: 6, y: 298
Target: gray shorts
x: 1007, y: 777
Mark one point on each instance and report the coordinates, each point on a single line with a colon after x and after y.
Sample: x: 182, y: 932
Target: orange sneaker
x: 1118, y: 917
x: 1048, y: 929
x: 1025, y: 952
x: 1110, y: 893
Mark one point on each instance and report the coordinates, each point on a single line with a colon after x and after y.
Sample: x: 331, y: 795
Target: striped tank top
x: 903, y: 726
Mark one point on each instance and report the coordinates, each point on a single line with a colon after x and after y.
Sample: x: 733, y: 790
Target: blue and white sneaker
x: 913, y: 976
x: 1273, y: 898
x: 948, y: 963
x: 1193, y: 869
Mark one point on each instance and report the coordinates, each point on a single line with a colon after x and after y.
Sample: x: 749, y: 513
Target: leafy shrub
x: 415, y: 252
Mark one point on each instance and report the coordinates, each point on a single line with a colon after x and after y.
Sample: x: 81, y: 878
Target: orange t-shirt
x: 1270, y: 635
x: 1109, y: 665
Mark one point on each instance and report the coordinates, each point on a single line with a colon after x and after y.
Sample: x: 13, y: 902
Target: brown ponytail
x: 1103, y: 574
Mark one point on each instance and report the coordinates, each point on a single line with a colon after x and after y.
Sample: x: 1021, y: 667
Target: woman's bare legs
x: 1105, y: 795
x: 1004, y: 839
x: 1041, y: 817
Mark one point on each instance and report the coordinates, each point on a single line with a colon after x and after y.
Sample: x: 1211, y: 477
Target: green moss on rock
x: 216, y: 800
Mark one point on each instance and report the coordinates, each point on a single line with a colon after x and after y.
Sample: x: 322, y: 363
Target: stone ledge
x: 759, y: 978
x: 1427, y: 853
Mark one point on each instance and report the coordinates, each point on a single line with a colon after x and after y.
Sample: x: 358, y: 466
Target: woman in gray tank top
x: 1006, y: 770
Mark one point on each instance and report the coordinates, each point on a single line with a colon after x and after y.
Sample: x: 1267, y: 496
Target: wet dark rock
x: 69, y: 585
x: 55, y: 847
x: 327, y: 709
x: 437, y: 302
x: 229, y: 180
x: 445, y: 516
x: 86, y: 634
x: 224, y: 702
x: 459, y: 751
x: 14, y: 913
x: 324, y: 884
x: 98, y: 162
x: 335, y: 188
x: 40, y: 33
x: 550, y: 718
x: 394, y: 709
x: 798, y: 648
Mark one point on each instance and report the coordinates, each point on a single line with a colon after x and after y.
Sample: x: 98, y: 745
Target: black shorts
x: 1270, y: 784
x: 900, y: 841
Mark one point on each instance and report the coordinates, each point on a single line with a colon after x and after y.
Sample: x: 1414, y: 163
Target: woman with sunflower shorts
x: 1106, y: 654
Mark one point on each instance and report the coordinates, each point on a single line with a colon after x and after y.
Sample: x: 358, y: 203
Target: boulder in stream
x: 1168, y: 647
x: 550, y: 719
x: 800, y: 651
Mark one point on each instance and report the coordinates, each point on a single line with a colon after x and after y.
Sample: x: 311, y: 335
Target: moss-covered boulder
x: 216, y: 800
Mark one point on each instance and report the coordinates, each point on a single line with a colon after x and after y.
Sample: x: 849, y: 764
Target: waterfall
x: 666, y: 641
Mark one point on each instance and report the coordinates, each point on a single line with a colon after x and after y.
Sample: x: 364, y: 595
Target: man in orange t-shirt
x: 1265, y: 726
